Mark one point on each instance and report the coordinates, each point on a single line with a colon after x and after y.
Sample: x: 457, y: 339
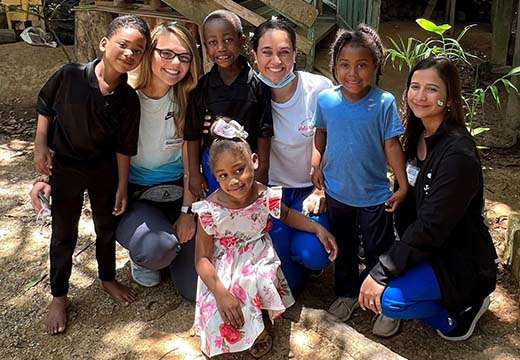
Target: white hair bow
x: 228, y: 129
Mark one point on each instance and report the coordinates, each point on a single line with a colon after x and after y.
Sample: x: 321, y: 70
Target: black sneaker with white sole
x: 466, y: 322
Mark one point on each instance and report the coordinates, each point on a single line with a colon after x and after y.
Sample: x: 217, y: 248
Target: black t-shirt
x: 247, y: 100
x: 86, y: 125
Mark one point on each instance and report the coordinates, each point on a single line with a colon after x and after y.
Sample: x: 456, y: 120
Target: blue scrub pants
x: 298, y: 250
x: 416, y: 295
x: 211, y: 180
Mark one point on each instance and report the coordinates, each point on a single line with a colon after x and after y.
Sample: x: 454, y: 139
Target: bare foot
x: 57, y: 317
x: 124, y: 295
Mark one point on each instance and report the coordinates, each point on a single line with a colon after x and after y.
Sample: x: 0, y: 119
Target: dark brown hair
x: 454, y: 116
x: 273, y: 24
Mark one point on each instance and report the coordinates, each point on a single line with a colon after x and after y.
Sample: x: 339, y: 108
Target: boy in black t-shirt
x: 89, y: 118
x: 231, y: 89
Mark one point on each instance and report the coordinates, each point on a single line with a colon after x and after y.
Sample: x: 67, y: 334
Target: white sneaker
x: 143, y: 276
x: 385, y: 326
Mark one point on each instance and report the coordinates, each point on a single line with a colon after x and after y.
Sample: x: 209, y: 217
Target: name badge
x: 411, y: 173
x: 170, y: 144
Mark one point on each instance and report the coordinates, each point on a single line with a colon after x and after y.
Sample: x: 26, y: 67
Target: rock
x: 7, y: 36
x: 349, y: 340
x: 512, y: 250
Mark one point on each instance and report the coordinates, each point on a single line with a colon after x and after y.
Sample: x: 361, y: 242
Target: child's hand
x: 198, y: 186
x: 317, y: 178
x: 394, y: 200
x: 314, y: 203
x: 42, y: 159
x: 33, y: 194
x: 121, y: 202
x: 229, y: 308
x: 207, y: 124
x: 329, y: 242
x: 185, y: 227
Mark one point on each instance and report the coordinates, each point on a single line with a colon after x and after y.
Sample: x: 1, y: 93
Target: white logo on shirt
x: 371, y: 104
x: 306, y: 128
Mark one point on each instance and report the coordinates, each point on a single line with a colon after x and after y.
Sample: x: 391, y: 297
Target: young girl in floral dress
x: 239, y: 271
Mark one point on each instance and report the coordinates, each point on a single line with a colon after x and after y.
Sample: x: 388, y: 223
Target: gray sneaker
x: 343, y: 307
x: 143, y: 276
x: 385, y: 326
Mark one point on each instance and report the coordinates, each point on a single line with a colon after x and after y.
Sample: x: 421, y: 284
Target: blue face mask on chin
x: 286, y: 80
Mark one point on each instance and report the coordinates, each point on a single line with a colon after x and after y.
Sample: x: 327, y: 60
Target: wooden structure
x: 449, y: 12
x: 352, y: 12
x: 312, y: 19
x: 18, y: 13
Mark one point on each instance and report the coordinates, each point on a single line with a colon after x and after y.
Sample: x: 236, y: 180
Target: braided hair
x: 363, y: 36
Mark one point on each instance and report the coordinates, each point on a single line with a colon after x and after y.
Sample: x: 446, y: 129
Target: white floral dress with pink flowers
x: 247, y: 265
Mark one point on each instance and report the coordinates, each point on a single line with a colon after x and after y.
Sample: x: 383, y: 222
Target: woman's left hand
x: 185, y: 227
x: 370, y: 295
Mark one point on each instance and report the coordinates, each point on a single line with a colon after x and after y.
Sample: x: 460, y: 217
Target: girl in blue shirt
x: 357, y: 129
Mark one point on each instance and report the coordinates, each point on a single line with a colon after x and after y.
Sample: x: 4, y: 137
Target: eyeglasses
x: 170, y: 55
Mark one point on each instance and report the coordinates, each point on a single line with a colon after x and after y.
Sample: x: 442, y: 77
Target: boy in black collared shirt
x: 230, y: 89
x: 89, y: 118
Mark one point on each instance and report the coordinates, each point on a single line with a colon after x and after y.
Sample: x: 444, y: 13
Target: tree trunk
x: 513, y: 103
x: 89, y: 30
x: 502, y: 16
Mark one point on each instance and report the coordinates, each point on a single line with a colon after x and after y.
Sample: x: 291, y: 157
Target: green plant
x: 410, y: 52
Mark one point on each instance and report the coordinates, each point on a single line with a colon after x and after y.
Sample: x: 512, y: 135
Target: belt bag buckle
x: 162, y: 193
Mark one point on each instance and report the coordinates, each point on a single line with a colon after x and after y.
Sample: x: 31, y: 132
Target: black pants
x: 69, y: 180
x: 376, y: 229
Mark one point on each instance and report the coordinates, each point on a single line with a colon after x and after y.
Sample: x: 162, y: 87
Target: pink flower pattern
x: 247, y: 265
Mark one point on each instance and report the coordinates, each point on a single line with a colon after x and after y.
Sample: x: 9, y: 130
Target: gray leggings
x: 149, y: 237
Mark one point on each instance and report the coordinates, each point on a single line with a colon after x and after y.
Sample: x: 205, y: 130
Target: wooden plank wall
x: 198, y: 10
x: 350, y: 13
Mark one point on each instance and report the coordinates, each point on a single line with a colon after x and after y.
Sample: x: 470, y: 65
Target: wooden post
x: 513, y: 102
x: 503, y: 12
x: 90, y: 27
x: 449, y: 15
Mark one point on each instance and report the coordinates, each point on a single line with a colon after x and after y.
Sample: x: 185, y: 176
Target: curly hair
x: 128, y: 21
x: 363, y: 36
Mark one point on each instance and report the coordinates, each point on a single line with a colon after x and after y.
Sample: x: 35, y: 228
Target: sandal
x: 265, y: 342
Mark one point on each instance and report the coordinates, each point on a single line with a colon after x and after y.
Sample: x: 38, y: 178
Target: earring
x: 440, y: 103
x: 449, y: 108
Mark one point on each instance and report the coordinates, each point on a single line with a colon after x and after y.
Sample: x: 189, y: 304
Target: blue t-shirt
x: 354, y: 163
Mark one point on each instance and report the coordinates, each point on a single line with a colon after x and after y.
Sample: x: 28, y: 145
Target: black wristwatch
x: 186, y: 210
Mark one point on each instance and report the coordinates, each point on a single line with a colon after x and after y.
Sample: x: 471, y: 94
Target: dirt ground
x: 158, y: 325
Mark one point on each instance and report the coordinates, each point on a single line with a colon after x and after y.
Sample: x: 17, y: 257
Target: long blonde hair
x: 183, y: 87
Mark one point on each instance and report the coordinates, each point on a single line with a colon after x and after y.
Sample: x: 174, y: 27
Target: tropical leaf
x: 432, y: 27
x: 478, y: 130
